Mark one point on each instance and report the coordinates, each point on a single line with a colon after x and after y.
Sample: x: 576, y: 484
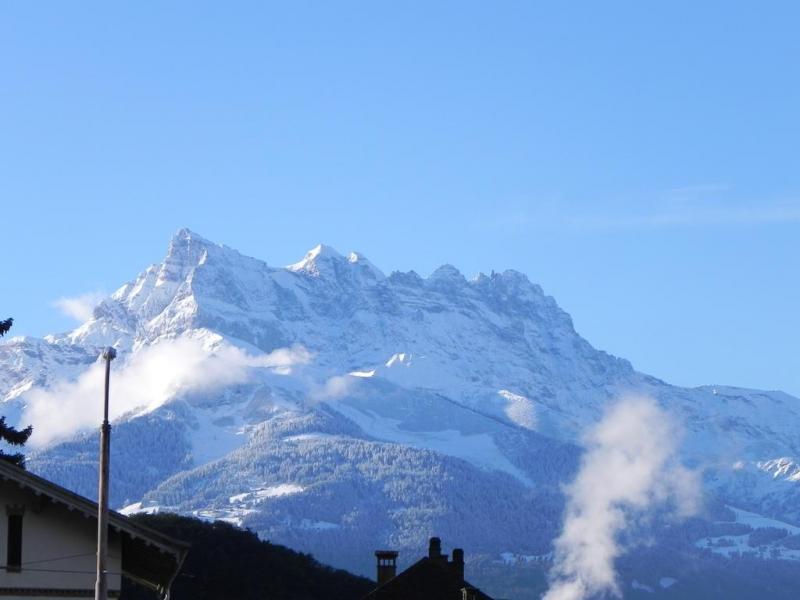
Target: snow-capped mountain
x: 337, y: 409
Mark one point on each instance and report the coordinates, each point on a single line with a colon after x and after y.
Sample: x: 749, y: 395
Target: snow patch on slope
x: 519, y: 410
x: 273, y: 491
x: 750, y: 542
x: 479, y: 449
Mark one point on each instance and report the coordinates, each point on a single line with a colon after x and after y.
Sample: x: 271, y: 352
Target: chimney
x: 458, y: 563
x: 387, y: 565
x: 435, y: 548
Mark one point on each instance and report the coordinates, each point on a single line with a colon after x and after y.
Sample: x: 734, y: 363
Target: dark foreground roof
x: 427, y: 579
x: 148, y: 557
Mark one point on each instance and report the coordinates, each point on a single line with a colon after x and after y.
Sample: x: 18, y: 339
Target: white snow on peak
x: 322, y: 260
x: 189, y: 246
x: 187, y: 235
x: 311, y: 260
x: 317, y: 260
x: 186, y: 249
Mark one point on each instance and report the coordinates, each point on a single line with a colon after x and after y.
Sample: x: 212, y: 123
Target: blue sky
x: 639, y: 161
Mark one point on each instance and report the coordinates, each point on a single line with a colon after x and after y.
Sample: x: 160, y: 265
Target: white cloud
x: 334, y: 388
x: 630, y: 468
x: 145, y: 381
x: 79, y: 307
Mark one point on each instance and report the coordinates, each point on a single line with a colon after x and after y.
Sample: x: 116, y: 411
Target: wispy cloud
x: 700, y: 205
x: 699, y: 189
x: 80, y: 307
x: 693, y: 216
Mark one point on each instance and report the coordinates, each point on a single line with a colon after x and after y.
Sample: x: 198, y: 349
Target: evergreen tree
x: 8, y: 434
x: 5, y: 326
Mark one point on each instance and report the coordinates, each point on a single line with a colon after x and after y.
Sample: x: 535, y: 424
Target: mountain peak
x: 323, y: 252
x: 185, y: 235
x: 322, y: 259
x: 318, y: 254
x: 187, y: 247
x: 447, y: 274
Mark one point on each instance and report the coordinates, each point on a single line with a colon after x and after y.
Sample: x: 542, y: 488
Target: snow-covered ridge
x: 330, y: 376
x: 495, y: 343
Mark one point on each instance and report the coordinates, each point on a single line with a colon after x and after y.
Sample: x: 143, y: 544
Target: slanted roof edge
x: 54, y: 491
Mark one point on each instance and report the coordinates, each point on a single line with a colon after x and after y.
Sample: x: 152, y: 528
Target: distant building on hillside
x: 48, y: 544
x: 433, y: 577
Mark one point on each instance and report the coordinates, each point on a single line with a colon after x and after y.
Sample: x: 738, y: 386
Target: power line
x: 56, y: 559
x: 17, y: 570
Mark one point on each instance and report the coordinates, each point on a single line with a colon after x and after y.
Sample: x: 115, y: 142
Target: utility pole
x: 101, y: 587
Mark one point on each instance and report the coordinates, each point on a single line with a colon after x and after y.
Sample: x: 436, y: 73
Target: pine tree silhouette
x: 5, y: 326
x: 8, y: 434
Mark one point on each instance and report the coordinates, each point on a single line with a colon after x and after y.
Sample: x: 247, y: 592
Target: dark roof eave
x: 40, y: 486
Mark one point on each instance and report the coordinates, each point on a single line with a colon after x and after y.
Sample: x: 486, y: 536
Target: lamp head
x: 109, y: 353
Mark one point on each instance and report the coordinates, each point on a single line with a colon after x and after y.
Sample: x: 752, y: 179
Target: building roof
x: 426, y: 579
x: 430, y: 578
x: 155, y: 570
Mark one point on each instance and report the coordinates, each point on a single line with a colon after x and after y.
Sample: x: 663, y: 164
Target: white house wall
x: 58, y: 548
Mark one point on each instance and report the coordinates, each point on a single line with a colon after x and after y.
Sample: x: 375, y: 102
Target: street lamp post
x: 101, y: 587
